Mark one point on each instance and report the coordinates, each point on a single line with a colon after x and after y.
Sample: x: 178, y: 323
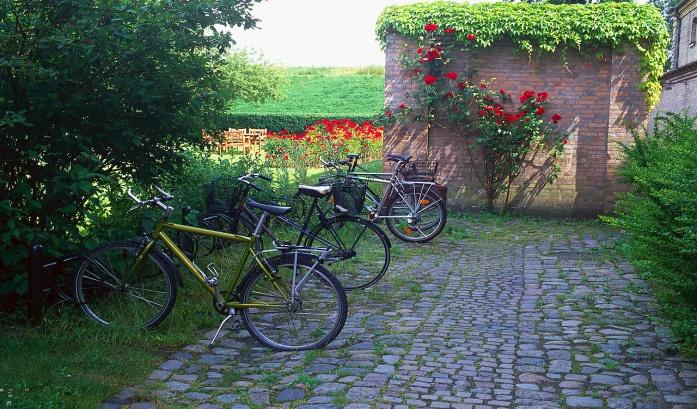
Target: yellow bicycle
x: 287, y: 302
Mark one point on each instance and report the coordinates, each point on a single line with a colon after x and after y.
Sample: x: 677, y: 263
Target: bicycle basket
x: 222, y: 194
x: 422, y: 170
x: 349, y: 195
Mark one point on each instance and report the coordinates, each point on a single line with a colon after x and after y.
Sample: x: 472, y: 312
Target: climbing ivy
x: 546, y: 28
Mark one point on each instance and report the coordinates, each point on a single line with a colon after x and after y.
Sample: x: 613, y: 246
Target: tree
x: 93, y: 92
x: 249, y: 78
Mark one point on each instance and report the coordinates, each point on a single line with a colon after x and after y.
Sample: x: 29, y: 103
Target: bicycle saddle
x: 397, y: 157
x: 314, y: 191
x: 274, y: 210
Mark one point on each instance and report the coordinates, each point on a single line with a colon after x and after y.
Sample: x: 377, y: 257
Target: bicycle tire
x: 354, y: 268
x: 397, y: 206
x: 98, y: 298
x: 321, y: 277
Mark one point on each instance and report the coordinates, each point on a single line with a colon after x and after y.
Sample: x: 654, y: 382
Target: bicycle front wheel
x: 309, y: 317
x: 112, y: 293
x: 360, y: 253
x: 416, y: 215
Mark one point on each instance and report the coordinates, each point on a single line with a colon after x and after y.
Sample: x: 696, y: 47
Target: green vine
x: 545, y: 27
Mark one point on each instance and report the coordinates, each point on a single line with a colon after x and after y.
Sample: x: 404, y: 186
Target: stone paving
x: 493, y: 314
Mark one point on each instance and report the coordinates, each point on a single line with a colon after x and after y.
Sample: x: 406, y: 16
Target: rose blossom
x: 451, y: 75
x: 431, y: 27
x: 430, y: 79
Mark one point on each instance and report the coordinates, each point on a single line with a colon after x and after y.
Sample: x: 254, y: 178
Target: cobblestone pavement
x: 493, y: 314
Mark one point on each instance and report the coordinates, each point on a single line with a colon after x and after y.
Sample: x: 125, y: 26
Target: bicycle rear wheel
x: 312, y: 320
x: 361, y: 250
x: 112, y: 296
x: 417, y: 215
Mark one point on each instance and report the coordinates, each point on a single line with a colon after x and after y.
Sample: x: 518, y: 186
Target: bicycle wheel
x: 417, y: 215
x: 312, y: 320
x: 107, y: 293
x: 361, y: 250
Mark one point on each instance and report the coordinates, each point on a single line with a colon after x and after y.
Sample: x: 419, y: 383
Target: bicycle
x: 286, y: 302
x: 412, y: 207
x: 359, y: 250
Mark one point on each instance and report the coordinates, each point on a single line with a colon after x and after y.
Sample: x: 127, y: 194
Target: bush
x: 294, y: 123
x: 660, y: 215
x: 328, y: 139
x: 114, y: 221
x: 99, y: 92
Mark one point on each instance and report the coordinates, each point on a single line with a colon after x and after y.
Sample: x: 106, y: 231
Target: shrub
x: 508, y: 142
x: 96, y: 92
x: 329, y: 139
x: 660, y: 215
x: 295, y: 123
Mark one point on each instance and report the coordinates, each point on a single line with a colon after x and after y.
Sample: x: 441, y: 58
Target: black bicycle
x: 359, y: 249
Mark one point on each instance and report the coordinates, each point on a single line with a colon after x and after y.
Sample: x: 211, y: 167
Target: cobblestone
x: 523, y: 314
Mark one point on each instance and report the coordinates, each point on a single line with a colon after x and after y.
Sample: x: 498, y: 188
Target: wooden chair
x: 235, y: 139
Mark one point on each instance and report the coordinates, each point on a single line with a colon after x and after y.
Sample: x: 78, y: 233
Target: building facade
x: 680, y: 82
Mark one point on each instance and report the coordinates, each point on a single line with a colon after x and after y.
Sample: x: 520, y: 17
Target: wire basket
x: 421, y: 170
x: 349, y: 196
x: 222, y: 194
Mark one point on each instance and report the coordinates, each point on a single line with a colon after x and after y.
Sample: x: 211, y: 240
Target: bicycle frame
x: 394, y: 184
x: 160, y: 235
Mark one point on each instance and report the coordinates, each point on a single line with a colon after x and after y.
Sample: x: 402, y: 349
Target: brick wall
x: 596, y: 97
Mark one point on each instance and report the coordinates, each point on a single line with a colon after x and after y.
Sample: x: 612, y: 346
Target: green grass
x: 69, y: 362
x: 343, y: 91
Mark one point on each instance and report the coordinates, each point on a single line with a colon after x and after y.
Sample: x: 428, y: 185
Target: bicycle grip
x: 254, y: 186
x: 267, y: 178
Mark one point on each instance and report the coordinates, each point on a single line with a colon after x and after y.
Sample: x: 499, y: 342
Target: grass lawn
x: 338, y: 91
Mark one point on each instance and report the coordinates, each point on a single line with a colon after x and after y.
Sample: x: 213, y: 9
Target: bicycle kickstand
x: 220, y: 327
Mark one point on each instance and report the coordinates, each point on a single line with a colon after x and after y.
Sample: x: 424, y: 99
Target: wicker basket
x: 421, y: 170
x: 349, y: 195
x: 222, y: 194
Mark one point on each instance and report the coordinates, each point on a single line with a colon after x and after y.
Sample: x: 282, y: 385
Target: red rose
x: 432, y: 54
x: 471, y: 37
x: 430, y: 79
x: 430, y: 27
x: 502, y: 92
x: 451, y: 75
x: 482, y: 86
x: 461, y: 85
x: 542, y: 96
x: 402, y: 106
x: 449, y: 94
x: 565, y: 141
x: 556, y: 118
x: 526, y: 96
x: 482, y: 112
x: 388, y: 113
x: 540, y: 111
x: 449, y: 30
x: 419, y: 50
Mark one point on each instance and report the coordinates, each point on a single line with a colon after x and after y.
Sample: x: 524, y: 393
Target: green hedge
x: 660, y: 215
x: 545, y: 27
x: 290, y: 122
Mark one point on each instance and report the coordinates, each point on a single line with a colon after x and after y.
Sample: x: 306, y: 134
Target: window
x: 693, y: 32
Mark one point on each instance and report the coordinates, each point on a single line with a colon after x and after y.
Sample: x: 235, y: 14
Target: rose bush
x: 507, y: 137
x: 329, y: 139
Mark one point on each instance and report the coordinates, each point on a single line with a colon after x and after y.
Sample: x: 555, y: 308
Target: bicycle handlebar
x: 159, y: 201
x: 246, y: 179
